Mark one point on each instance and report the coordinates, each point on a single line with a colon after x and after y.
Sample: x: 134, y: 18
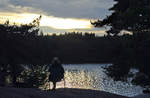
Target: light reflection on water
x: 91, y: 76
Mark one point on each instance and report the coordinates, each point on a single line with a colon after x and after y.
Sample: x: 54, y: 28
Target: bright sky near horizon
x: 57, y: 15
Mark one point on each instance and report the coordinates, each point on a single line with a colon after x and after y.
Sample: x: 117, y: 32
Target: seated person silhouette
x: 56, y: 72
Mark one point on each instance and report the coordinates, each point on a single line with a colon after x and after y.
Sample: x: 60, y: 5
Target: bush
x: 34, y: 76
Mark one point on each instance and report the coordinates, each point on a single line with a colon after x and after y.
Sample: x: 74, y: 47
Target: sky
x: 58, y: 16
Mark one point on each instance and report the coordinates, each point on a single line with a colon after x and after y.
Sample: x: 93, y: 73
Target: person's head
x: 56, y: 61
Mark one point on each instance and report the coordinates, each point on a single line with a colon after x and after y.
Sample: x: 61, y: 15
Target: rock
x: 142, y: 96
x: 59, y: 93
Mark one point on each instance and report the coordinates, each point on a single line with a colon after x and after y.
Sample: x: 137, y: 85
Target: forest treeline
x: 25, y: 45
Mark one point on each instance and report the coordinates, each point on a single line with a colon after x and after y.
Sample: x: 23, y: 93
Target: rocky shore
x: 59, y: 93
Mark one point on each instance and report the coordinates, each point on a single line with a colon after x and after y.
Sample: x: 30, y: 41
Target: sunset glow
x: 50, y: 21
x: 65, y: 23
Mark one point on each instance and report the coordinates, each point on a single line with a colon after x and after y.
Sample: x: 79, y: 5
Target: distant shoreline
x: 67, y: 63
x: 86, y: 63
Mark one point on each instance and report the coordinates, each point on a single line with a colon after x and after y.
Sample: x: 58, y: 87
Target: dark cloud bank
x: 60, y: 8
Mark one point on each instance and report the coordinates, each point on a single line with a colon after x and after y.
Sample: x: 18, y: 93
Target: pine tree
x: 131, y: 15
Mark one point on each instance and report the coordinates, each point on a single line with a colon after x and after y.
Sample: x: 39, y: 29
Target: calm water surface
x: 91, y: 76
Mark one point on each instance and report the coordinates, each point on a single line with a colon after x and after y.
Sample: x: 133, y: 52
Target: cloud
x: 51, y: 21
x: 60, y: 8
x: 7, y: 6
x: 65, y: 23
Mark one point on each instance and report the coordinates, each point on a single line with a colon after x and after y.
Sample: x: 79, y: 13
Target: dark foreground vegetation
x: 25, y: 45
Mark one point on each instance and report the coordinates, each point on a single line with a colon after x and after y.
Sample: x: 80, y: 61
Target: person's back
x: 56, y: 72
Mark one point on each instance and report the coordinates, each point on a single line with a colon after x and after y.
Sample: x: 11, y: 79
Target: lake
x: 92, y: 76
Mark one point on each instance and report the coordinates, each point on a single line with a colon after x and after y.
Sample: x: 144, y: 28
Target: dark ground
x: 6, y: 92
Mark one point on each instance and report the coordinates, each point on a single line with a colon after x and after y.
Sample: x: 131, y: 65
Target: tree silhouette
x: 133, y: 16
x: 11, y: 39
x: 127, y: 15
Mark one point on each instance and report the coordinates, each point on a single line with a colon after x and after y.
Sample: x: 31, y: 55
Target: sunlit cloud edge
x: 51, y: 21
